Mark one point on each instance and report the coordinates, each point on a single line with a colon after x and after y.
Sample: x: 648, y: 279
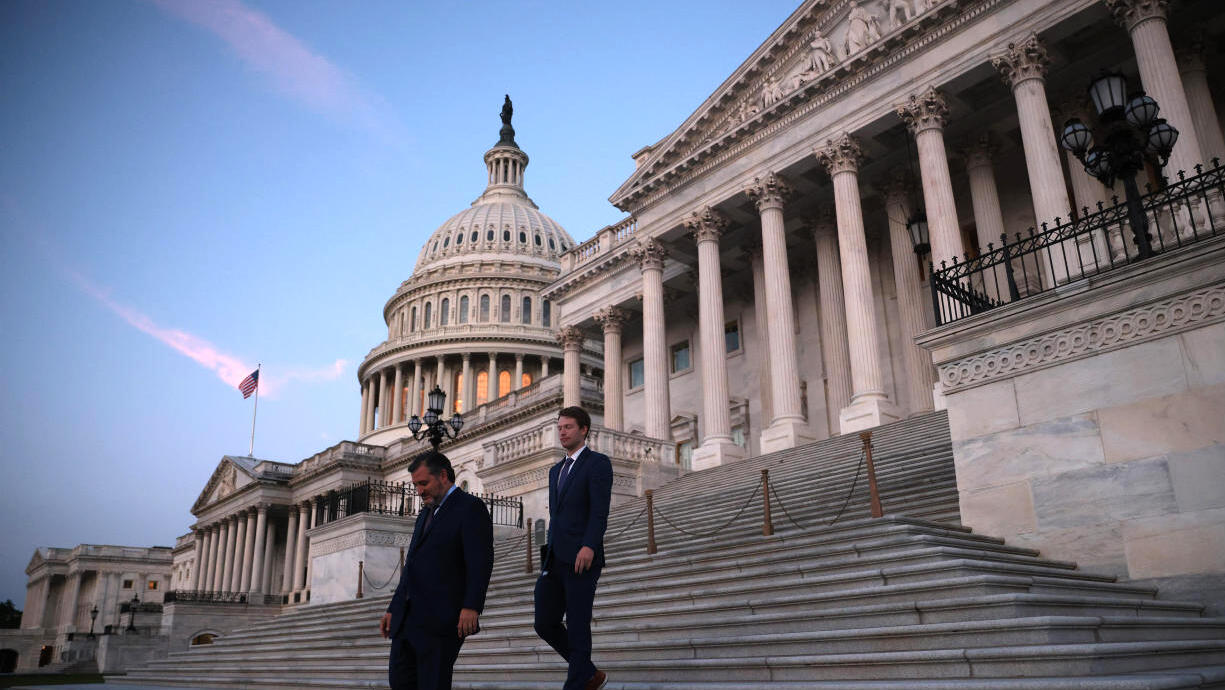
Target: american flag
x: 249, y: 384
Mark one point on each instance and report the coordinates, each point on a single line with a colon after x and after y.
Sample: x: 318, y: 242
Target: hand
x: 385, y: 625
x: 468, y: 623
x: 582, y: 562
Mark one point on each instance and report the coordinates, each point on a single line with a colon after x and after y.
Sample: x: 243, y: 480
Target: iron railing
x: 1180, y: 213
x: 505, y: 511
x: 399, y: 498
x: 195, y: 596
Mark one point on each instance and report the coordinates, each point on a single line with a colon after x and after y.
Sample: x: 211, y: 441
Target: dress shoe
x: 597, y: 681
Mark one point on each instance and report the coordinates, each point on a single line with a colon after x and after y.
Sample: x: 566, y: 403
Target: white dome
x: 503, y: 225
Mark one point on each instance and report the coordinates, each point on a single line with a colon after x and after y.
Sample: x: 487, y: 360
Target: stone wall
x: 1086, y: 422
x: 183, y: 621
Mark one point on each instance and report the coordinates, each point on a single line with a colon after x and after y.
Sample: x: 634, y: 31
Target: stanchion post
x: 651, y: 547
x: 361, y: 570
x: 872, y: 490
x: 529, y: 547
x: 767, y: 525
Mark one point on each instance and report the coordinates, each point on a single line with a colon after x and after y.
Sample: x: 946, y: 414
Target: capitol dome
x: 470, y: 319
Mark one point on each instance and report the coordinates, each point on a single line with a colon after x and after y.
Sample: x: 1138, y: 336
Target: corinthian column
x: 612, y: 319
x: 397, y: 395
x: 201, y: 550
x: 761, y: 318
x: 985, y: 197
x: 571, y: 338
x: 925, y: 114
x: 517, y: 383
x: 1199, y: 99
x: 305, y: 514
x: 706, y: 225
x: 650, y: 255
x: 257, y: 565
x: 915, y: 318
x: 1145, y: 20
x: 291, y: 557
x: 240, y: 552
x: 361, y: 423
x: 214, y: 557
x: 248, y: 558
x: 466, y: 374
x: 869, y: 407
x: 223, y: 555
x: 381, y: 401
x: 414, y: 390
x: 835, y: 353
x: 787, y: 429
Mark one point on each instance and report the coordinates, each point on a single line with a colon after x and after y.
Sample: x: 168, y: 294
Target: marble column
x: 985, y: 199
x: 223, y: 555
x: 254, y: 532
x: 650, y: 255
x: 439, y: 379
x: 1199, y: 99
x: 924, y: 115
x: 870, y: 406
x: 201, y: 550
x: 544, y: 367
x: 1145, y: 20
x: 915, y: 317
x: 397, y: 396
x: 466, y: 391
x: 612, y: 319
x: 291, y: 552
x: 305, y: 514
x: 571, y: 338
x: 1023, y: 67
x: 361, y: 418
x: 254, y: 582
x: 517, y: 382
x: 414, y: 390
x: 835, y: 353
x: 706, y: 227
x: 761, y: 319
x: 787, y: 427
x: 240, y: 552
x: 269, y: 554
x: 67, y: 612
x: 214, y: 556
x: 381, y: 401
x: 491, y: 381
x: 314, y: 521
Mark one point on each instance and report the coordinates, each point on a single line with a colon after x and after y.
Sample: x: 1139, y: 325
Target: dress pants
x: 560, y: 592
x: 422, y: 662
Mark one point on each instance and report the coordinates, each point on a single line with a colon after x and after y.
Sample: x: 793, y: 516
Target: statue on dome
x: 508, y: 110
x: 507, y: 133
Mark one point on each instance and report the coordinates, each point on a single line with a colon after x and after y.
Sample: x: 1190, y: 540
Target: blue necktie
x: 565, y: 472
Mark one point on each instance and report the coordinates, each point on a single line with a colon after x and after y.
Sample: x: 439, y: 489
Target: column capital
x: 770, y: 191
x: 1190, y: 52
x: 649, y: 253
x: 611, y: 318
x: 979, y: 152
x: 751, y: 249
x: 1023, y: 60
x: 897, y: 190
x: 571, y: 337
x: 925, y: 110
x: 840, y: 154
x: 518, y: 357
x: 706, y: 224
x: 1131, y: 13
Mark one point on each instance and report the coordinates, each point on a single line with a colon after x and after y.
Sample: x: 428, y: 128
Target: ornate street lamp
x: 93, y: 616
x: 917, y: 227
x: 434, y: 427
x: 132, y: 608
x: 1130, y: 130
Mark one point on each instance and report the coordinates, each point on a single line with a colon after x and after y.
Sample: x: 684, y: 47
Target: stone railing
x: 605, y: 239
x: 466, y: 330
x: 188, y: 539
x: 521, y: 445
x: 638, y: 449
x: 354, y: 451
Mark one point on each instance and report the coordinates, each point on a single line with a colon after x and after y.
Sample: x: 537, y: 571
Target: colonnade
x: 234, y: 553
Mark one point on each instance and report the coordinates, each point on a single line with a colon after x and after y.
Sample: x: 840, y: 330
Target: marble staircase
x: 910, y: 600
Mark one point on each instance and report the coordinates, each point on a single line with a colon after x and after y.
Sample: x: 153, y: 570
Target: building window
x: 527, y: 310
x: 636, y: 373
x: 444, y: 312
x: 526, y: 380
x: 412, y: 321
x: 489, y: 236
x: 503, y: 382
x: 459, y: 237
x: 680, y: 357
x: 482, y: 388
x: 475, y: 236
x: 446, y: 242
x: 731, y: 336
x: 522, y: 237
x: 537, y: 239
x: 684, y: 454
x: 428, y: 307
x: 458, y: 406
x: 738, y: 437
x: 546, y: 316
x: 152, y: 585
x: 505, y: 316
x: 552, y: 246
x: 484, y: 308
x: 463, y: 309
x: 129, y: 584
x: 506, y: 235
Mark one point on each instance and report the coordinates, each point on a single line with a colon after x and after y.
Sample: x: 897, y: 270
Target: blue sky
x: 190, y: 187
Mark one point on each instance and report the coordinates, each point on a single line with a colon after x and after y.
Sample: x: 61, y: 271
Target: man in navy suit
x: 442, y: 586
x: 580, y: 489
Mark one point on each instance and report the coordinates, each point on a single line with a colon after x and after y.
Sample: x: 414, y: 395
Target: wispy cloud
x: 288, y: 63
x: 229, y: 368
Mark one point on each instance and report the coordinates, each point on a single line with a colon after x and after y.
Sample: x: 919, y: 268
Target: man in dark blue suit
x: 580, y: 489
x: 442, y: 586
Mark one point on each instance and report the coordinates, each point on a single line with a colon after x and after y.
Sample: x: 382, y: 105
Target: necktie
x: 565, y: 472
x: 429, y: 517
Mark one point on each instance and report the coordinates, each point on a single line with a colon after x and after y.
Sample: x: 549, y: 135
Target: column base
x: 866, y: 414
x: 784, y: 434
x: 716, y: 451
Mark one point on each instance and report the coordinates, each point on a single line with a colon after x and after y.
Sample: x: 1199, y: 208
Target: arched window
x: 446, y: 241
x: 463, y: 309
x: 412, y: 321
x: 551, y: 245
x: 475, y: 235
x: 428, y: 308
x: 526, y: 380
x: 537, y: 239
x: 489, y: 235
x: 545, y: 314
x: 482, y: 388
x: 527, y: 310
x: 458, y: 406
x: 444, y: 312
x: 522, y: 237
x: 505, y: 316
x: 503, y: 382
x: 506, y: 235
x: 459, y: 237
x: 484, y: 308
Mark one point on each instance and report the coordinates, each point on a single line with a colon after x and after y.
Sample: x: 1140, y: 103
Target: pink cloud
x: 289, y: 64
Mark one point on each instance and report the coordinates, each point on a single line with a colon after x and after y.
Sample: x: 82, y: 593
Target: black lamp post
x: 132, y: 608
x: 1130, y: 130
x: 93, y: 616
x: 917, y: 227
x: 435, y: 428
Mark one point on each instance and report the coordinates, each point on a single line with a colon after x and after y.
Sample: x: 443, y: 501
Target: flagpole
x: 251, y: 451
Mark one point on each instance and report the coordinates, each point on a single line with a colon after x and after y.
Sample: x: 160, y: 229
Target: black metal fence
x: 194, y: 596
x: 1180, y: 213
x: 505, y: 511
x: 397, y: 498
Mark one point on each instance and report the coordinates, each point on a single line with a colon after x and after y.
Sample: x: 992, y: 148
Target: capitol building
x: 881, y: 213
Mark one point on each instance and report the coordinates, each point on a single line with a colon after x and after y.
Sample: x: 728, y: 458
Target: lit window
x: 152, y: 584
x: 680, y: 357
x: 526, y: 380
x: 459, y: 397
x: 482, y: 388
x: 636, y: 373
x: 503, y: 382
x: 731, y: 336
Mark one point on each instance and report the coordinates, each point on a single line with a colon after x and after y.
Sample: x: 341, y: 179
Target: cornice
x: 586, y: 275
x: 545, y: 338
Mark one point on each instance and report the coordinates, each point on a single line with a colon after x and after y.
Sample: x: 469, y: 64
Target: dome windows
x: 505, y: 315
x: 459, y: 237
x: 444, y: 312
x: 484, y: 308
x: 527, y: 310
x: 428, y: 313
x: 475, y: 236
x: 552, y: 246
x: 522, y: 237
x: 489, y: 235
x: 446, y: 242
x: 463, y: 309
x: 506, y: 235
x: 537, y: 239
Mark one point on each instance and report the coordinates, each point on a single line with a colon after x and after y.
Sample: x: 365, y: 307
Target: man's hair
x: 435, y: 462
x: 579, y: 415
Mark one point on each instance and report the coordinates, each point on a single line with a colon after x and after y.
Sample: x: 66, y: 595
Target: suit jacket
x: 446, y: 569
x: 578, y: 515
